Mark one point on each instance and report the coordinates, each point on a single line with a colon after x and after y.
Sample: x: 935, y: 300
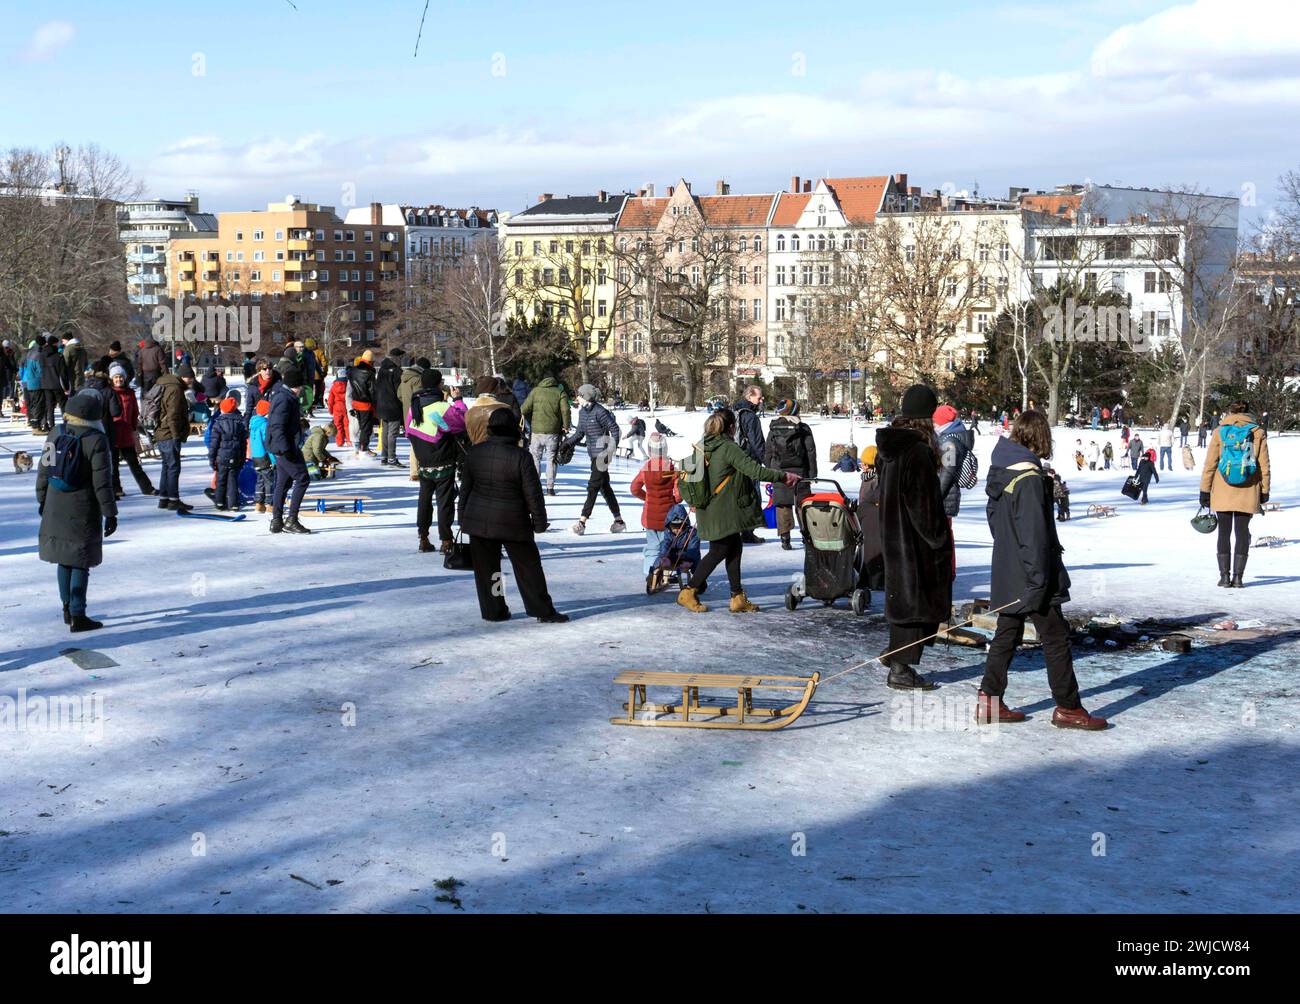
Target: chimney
x: 1014, y: 193
x: 721, y: 188
x: 794, y: 183
x: 670, y: 191
x: 900, y: 180
x: 649, y: 189
x: 807, y: 185
x: 545, y: 197
x: 602, y: 196
x: 376, y: 214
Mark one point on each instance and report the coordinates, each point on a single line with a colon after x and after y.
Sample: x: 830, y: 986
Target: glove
x: 791, y: 479
x: 40, y: 509
x: 110, y: 525
x: 1263, y: 497
x: 1205, y: 500
x: 541, y: 527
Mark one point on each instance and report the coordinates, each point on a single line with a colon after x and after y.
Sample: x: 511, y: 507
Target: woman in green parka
x: 733, y: 509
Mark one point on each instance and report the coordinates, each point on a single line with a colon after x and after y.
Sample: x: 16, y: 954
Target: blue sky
x: 248, y: 101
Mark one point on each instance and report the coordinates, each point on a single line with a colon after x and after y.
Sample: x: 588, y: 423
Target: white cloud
x: 48, y: 39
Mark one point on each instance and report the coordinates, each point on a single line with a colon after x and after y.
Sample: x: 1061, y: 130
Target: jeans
x: 1166, y: 455
x: 289, y: 469
x: 1054, y: 633
x: 388, y: 433
x: 265, y: 483
x: 650, y: 551
x: 72, y: 589
x: 545, y: 445
x: 598, y: 484
x: 169, y: 481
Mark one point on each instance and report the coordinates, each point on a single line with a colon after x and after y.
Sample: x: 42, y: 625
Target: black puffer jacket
x: 749, y: 429
x: 388, y: 399
x: 790, y: 447
x: 955, y: 441
x: 501, y: 495
x: 361, y: 382
x: 1027, y: 566
x: 917, y: 543
x: 72, y: 523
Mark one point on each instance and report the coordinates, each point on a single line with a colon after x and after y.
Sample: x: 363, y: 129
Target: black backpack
x: 63, y: 461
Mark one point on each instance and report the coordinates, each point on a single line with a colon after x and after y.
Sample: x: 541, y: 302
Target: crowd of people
x: 479, y: 464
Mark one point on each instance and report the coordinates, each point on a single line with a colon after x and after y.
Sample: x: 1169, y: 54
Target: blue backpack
x: 63, y: 460
x: 1237, y: 457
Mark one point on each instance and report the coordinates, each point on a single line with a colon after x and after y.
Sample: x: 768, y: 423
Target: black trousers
x: 728, y: 549
x: 598, y: 484
x: 445, y: 488
x: 365, y: 428
x: 905, y: 641
x: 1230, y: 521
x: 289, y: 470
x: 1054, y: 633
x: 530, y: 580
x: 38, y: 401
x: 132, y: 459
x: 227, y: 493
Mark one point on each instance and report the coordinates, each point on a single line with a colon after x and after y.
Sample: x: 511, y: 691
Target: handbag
x: 458, y: 558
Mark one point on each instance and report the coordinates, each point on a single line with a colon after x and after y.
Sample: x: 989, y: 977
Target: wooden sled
x: 336, y: 505
x: 694, y: 715
x: 1270, y: 542
x: 1271, y: 507
x: 1100, y: 511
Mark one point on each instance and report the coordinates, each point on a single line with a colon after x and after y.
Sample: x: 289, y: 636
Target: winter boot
x: 180, y: 506
x: 1077, y: 718
x: 740, y: 604
x: 164, y: 503
x: 580, y: 527
x: 1225, y: 561
x: 986, y: 708
x: 445, y: 547
x: 277, y: 524
x: 291, y: 525
x: 1239, y: 568
x: 80, y: 622
x: 554, y: 617
x: 785, y: 542
x: 67, y: 614
x: 686, y: 598
x: 618, y: 526
x: 263, y: 507
x: 425, y: 546
x: 903, y: 677
x: 749, y: 537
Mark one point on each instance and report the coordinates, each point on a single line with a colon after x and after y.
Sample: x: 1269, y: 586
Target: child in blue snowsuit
x: 226, y: 448
x: 263, y: 462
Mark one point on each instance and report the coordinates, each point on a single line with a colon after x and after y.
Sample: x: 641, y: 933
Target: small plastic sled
x: 694, y: 715
x: 223, y: 517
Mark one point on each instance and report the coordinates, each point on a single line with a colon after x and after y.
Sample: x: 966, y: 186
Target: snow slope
x: 332, y: 708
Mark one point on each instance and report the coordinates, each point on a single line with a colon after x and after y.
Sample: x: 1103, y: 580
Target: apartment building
x: 557, y: 259
x: 436, y: 236
x: 147, y: 229
x: 311, y: 272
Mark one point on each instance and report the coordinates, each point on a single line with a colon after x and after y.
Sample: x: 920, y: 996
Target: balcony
x: 186, y: 265
x: 296, y: 265
x: 212, y: 275
x: 187, y: 285
x: 387, y: 246
x: 146, y: 279
x: 143, y: 299
x: 301, y: 285
x: 301, y: 244
x: 303, y: 306
x: 144, y: 257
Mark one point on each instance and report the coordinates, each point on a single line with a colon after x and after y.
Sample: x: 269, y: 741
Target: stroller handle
x: 826, y: 481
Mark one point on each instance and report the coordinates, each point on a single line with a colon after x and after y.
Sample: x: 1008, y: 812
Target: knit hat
x: 588, y: 392
x: 502, y: 423
x: 869, y: 456
x: 486, y: 385
x: 292, y: 376
x: 228, y: 404
x: 656, y: 444
x: 185, y: 370
x: 263, y: 407
x: 85, y: 405
x: 424, y: 364
x: 919, y: 401
x: 787, y: 406
x: 368, y: 356
x: 115, y: 346
x: 944, y: 414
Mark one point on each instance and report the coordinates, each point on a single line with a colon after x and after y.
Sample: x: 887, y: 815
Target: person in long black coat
x: 790, y: 447
x: 502, y: 506
x: 918, y: 548
x: 75, y: 523
x: 388, y: 408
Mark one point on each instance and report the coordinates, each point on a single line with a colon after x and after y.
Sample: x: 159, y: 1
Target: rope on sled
x: 886, y: 655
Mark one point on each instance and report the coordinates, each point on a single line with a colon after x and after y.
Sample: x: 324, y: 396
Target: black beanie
x: 502, y: 423
x: 85, y: 405
x: 185, y: 370
x: 292, y: 376
x: 919, y: 401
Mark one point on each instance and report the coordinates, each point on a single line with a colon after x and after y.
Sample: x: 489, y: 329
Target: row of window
x: 436, y: 246
x: 340, y: 236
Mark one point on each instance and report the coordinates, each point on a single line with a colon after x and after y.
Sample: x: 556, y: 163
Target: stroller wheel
x: 828, y: 603
x: 860, y: 600
x: 791, y: 598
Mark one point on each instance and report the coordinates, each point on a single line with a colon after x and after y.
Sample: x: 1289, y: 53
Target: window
x: 351, y: 255
x: 368, y: 236
x: 370, y: 315
x: 741, y: 311
x: 279, y: 255
x: 601, y: 277
x: 806, y: 274
x: 794, y: 242
x: 982, y: 323
x: 780, y: 242
x: 368, y: 255
x: 323, y: 275
x: 338, y: 255
x: 568, y: 247
x: 756, y: 274
x: 519, y: 277
x: 279, y: 235
x: 1149, y: 282
x: 758, y: 243
x: 779, y: 279
x: 519, y: 248
x: 230, y: 256
x: 259, y: 235
x: 758, y: 310
x: 239, y: 235
x: 356, y: 275
x: 370, y: 275
x: 823, y: 275
x: 255, y: 275
x: 275, y: 275
x: 984, y: 252
x: 780, y: 308
x: 338, y: 236
x: 951, y: 287
x: 239, y: 256
x: 349, y: 235
x: 259, y: 256
x: 600, y: 308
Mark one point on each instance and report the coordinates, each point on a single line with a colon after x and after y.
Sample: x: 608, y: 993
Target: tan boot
x: 262, y: 507
x: 740, y: 605
x: 686, y: 598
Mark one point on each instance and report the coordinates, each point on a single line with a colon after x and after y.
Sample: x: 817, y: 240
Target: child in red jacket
x: 655, y: 484
x: 338, y: 406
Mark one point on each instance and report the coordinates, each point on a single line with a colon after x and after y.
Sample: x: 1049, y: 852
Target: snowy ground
x: 324, y: 724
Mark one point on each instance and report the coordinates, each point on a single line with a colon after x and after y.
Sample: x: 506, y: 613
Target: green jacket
x: 314, y: 449
x: 407, y: 387
x: 546, y: 409
x: 736, y: 508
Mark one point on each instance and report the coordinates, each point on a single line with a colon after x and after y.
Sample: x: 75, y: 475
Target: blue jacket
x: 32, y: 369
x: 598, y: 426
x: 284, y: 423
x: 257, y: 438
x: 229, y: 438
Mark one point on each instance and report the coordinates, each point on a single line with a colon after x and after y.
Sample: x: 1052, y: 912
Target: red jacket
x: 656, y: 485
x: 338, y: 399
x: 123, y: 425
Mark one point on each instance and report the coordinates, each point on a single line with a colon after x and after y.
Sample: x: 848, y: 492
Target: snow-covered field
x: 324, y: 724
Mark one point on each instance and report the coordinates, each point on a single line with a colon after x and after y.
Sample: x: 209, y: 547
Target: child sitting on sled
x: 679, y: 551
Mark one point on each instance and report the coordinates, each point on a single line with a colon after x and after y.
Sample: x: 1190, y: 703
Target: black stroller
x: 833, y: 564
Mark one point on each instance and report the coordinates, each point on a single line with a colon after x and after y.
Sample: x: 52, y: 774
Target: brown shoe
x: 740, y: 605
x: 445, y: 547
x: 686, y: 598
x: 986, y: 707
x: 425, y: 545
x: 261, y: 507
x: 1077, y: 718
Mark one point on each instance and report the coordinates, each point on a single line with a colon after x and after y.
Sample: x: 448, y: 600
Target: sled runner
x: 694, y: 715
x: 1100, y: 511
x: 1271, y: 542
x: 225, y: 518
x: 1271, y: 507
x: 336, y: 505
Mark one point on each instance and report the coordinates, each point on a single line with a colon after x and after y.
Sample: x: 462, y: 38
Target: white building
x: 146, y: 229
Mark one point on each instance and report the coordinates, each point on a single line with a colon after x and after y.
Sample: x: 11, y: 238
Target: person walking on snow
x: 749, y: 436
x: 1146, y: 470
x: 546, y: 409
x: 1235, y: 484
x: 598, y: 427
x: 790, y: 447
x: 1028, y: 574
